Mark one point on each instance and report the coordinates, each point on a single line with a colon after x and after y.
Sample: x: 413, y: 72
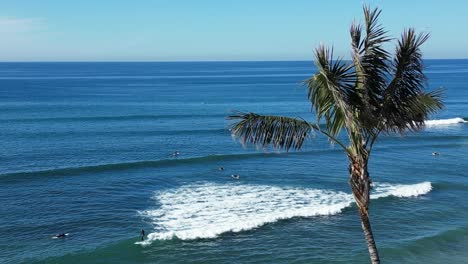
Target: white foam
x: 400, y: 190
x: 445, y: 122
x: 208, y: 210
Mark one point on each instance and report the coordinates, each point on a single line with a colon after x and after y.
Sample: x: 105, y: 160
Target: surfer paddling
x: 62, y: 235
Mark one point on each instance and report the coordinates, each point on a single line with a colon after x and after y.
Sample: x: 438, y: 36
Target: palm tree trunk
x: 361, y: 185
x: 366, y: 227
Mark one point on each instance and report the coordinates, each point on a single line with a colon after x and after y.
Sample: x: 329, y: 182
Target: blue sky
x: 175, y: 30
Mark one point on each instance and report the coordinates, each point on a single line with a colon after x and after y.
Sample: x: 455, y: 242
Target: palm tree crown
x: 373, y: 93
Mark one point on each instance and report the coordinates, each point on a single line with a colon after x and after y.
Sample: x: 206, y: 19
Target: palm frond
x: 406, y: 103
x: 331, y: 90
x: 278, y: 131
x: 356, y: 32
x: 373, y: 54
x: 370, y: 64
x: 371, y: 95
x: 413, y: 112
x: 407, y: 66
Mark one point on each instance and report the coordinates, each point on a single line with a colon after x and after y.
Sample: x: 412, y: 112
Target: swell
x: 435, y: 122
x: 151, y: 77
x: 110, y: 118
x: 444, y: 185
x: 449, y: 240
x: 142, y: 164
x: 122, y: 117
x: 422, y: 137
x: 442, y: 237
x: 120, y: 252
x: 218, y: 131
x: 125, y: 133
x: 194, y: 160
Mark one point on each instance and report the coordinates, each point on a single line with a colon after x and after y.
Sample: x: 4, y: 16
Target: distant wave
x: 169, y: 161
x: 118, y: 133
x: 146, y: 164
x: 445, y: 122
x: 111, y: 118
x: 435, y: 122
x: 432, y: 240
x: 208, y: 210
x: 151, y: 77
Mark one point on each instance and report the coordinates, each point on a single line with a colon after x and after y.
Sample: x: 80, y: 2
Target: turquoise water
x: 86, y: 150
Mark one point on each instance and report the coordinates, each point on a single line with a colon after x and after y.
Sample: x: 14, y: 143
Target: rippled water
x: 86, y: 149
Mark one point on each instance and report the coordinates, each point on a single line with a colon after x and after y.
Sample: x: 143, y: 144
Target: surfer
x: 176, y: 153
x: 142, y: 234
x: 435, y: 153
x: 235, y: 176
x: 221, y: 168
x: 62, y: 235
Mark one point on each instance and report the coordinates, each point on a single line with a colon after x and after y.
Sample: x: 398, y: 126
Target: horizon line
x: 175, y: 61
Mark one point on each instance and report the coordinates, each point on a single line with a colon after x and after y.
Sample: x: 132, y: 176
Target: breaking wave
x: 208, y: 210
x: 444, y: 122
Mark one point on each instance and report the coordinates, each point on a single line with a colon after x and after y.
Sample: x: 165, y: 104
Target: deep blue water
x: 85, y: 149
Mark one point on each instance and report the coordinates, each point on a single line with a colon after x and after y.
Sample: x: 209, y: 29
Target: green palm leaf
x: 370, y: 64
x: 406, y: 103
x: 331, y: 91
x: 281, y: 132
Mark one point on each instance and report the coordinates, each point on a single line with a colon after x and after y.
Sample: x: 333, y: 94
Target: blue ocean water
x: 86, y: 149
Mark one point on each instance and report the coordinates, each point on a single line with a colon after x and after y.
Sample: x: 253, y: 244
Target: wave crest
x: 400, y: 190
x: 208, y: 210
x: 445, y: 122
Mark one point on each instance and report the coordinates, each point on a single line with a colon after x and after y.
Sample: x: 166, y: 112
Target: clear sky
x: 174, y: 30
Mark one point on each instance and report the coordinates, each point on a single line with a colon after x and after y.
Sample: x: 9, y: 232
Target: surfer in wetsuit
x: 142, y: 234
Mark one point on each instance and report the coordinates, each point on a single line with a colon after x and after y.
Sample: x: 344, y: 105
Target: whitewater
x: 208, y: 210
x: 445, y: 122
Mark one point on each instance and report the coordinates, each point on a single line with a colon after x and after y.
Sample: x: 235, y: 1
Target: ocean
x: 87, y: 149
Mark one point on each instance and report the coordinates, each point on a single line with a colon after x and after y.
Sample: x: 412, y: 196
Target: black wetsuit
x: 142, y: 233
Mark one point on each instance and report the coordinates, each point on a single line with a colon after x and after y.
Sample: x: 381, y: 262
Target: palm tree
x: 372, y: 94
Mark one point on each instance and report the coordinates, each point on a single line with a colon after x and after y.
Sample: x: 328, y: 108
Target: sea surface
x: 86, y: 149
